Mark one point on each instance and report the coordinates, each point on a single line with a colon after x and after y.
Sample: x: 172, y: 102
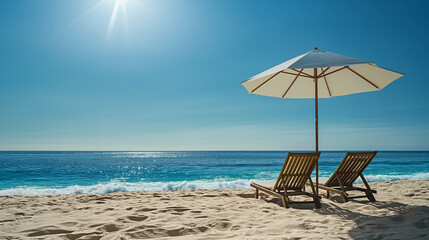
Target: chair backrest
x: 350, y: 168
x: 296, y: 170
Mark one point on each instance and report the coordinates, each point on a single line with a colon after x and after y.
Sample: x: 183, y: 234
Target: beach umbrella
x: 320, y: 74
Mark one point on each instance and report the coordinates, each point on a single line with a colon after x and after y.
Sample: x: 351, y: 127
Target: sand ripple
x: 401, y: 212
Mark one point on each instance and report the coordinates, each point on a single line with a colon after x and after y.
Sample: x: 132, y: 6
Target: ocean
x: 39, y: 173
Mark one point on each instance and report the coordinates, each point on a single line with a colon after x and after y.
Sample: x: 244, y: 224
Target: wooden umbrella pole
x: 316, y: 96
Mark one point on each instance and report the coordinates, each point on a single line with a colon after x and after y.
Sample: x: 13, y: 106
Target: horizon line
x: 212, y: 150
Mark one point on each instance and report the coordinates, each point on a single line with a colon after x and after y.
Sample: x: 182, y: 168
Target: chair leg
x: 343, y: 197
x: 327, y: 194
x: 370, y: 196
x: 368, y: 191
x: 285, y: 202
x: 317, y: 202
x: 257, y: 194
x: 315, y: 196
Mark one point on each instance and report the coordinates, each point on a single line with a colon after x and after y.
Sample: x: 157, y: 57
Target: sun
x: 118, y: 10
x: 119, y: 4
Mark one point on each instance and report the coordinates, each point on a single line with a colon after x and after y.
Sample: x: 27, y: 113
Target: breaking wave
x: 118, y: 186
x: 121, y: 186
x: 387, y: 178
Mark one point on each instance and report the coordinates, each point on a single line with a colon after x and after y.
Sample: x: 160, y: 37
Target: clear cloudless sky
x: 165, y: 74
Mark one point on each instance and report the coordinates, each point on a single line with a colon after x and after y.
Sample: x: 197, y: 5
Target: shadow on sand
x: 390, y: 219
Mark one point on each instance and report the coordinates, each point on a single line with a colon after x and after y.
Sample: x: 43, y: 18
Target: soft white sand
x: 401, y: 212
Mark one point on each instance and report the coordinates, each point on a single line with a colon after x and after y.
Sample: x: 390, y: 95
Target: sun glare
x: 118, y: 10
x: 119, y: 4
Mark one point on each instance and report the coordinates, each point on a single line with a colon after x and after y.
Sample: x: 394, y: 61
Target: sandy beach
x: 401, y: 212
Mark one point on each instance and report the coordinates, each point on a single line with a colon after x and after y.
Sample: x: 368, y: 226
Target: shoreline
x: 401, y: 211
x: 184, y: 185
x: 178, y: 190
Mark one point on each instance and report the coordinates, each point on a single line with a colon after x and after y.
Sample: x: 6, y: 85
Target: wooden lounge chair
x: 346, y: 174
x: 295, y: 173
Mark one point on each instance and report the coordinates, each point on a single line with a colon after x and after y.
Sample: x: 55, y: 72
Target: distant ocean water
x: 104, y: 172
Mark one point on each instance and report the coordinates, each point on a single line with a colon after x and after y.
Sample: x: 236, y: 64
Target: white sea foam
x: 386, y: 178
x: 120, y: 186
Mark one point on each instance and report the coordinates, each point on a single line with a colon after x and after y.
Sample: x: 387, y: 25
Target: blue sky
x: 166, y: 75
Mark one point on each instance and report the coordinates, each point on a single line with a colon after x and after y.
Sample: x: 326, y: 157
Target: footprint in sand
x: 95, y: 225
x: 39, y: 233
x: 103, y: 198
x: 244, y: 195
x: 137, y: 218
x: 179, y: 209
x: 7, y: 220
x: 209, y: 195
x: 68, y: 224
x: 110, y: 227
x: 186, y: 231
x: 85, y: 236
x: 235, y: 227
x: 222, y: 224
x: 188, y: 195
x: 146, y: 209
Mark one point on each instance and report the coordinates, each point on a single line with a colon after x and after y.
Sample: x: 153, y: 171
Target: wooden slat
x: 308, y: 168
x: 295, y: 172
x: 301, y: 163
x: 292, y: 169
x: 350, y: 167
x: 301, y: 171
x: 281, y: 172
x: 289, y: 162
x: 345, y: 178
x: 350, y: 178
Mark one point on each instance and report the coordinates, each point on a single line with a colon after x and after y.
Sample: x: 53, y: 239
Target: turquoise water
x: 103, y: 172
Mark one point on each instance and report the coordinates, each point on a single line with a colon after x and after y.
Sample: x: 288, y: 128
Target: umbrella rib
x: 323, y: 71
x: 292, y: 83
x: 309, y: 76
x: 334, y: 71
x: 265, y: 82
x: 306, y: 74
x: 326, y: 81
x: 363, y: 77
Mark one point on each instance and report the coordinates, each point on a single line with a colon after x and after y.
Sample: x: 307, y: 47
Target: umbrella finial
x: 316, y: 48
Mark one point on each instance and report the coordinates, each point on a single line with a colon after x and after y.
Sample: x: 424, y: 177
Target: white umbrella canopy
x: 337, y: 75
x: 320, y: 74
